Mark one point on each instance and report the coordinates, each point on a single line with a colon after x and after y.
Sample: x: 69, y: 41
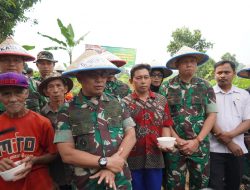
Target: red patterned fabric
x: 150, y: 117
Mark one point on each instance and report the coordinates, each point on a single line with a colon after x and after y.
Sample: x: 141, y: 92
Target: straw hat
x: 245, y: 72
x: 187, y: 51
x: 10, y: 47
x: 113, y: 58
x: 90, y: 60
x: 53, y: 76
x: 59, y: 68
x: 156, y: 65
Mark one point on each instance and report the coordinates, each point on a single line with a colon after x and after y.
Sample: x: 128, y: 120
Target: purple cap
x: 13, y: 79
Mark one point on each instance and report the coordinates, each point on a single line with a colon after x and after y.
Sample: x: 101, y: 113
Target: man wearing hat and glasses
x: 157, y: 74
x: 55, y: 86
x: 12, y: 58
x: 45, y: 63
x: 30, y: 140
x: 193, y: 108
x: 94, y: 131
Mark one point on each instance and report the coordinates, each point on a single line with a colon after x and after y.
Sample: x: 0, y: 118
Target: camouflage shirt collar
x: 82, y: 99
x: 177, y: 81
x: 151, y: 95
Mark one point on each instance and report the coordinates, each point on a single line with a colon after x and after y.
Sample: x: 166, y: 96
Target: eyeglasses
x: 157, y: 75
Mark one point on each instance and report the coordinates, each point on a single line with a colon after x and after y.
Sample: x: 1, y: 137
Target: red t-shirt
x: 33, y: 137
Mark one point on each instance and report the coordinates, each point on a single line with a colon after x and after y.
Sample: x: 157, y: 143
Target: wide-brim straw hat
x: 156, y: 65
x: 10, y: 47
x: 245, y: 72
x: 90, y: 60
x: 113, y: 58
x: 187, y: 51
x: 53, y: 76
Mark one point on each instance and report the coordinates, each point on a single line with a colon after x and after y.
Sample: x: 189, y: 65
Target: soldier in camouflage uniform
x: 114, y: 86
x: 12, y: 58
x: 94, y: 131
x: 245, y: 73
x: 45, y: 63
x: 55, y: 86
x: 193, y: 108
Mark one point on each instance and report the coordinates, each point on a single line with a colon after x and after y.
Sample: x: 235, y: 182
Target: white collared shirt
x: 233, y: 108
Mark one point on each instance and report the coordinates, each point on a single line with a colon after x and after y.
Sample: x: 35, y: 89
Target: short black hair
x: 231, y: 63
x: 29, y: 70
x: 139, y: 67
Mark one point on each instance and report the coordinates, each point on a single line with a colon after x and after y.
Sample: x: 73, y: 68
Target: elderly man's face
x: 11, y: 63
x: 93, y: 82
x: 13, y: 99
x: 187, y: 66
x: 56, y: 90
x: 45, y: 67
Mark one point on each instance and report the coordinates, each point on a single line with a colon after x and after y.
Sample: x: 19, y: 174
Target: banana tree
x: 69, y: 43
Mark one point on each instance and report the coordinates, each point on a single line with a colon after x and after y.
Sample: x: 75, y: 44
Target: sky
x: 144, y: 25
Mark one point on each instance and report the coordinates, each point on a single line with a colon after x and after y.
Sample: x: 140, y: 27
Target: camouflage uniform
x: 96, y: 126
x: 117, y: 88
x: 60, y: 172
x: 246, y: 171
x: 189, y: 104
x: 34, y: 102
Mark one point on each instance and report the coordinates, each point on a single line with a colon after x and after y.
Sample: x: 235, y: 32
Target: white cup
x: 166, y: 142
x: 9, y: 175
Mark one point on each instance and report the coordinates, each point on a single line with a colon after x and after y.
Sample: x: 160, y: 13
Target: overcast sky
x: 144, y: 25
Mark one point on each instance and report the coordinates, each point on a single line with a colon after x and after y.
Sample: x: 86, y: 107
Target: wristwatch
x: 102, y: 162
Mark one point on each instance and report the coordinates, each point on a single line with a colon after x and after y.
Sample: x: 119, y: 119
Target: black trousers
x: 225, y: 171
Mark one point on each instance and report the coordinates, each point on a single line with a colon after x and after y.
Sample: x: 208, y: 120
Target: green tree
x: 183, y: 36
x: 232, y: 57
x: 69, y: 43
x: 12, y: 12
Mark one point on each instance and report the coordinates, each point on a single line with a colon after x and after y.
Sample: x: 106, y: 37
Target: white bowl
x: 9, y: 175
x: 166, y: 142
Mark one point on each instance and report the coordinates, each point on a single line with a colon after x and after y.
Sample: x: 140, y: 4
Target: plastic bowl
x: 166, y: 142
x: 9, y: 175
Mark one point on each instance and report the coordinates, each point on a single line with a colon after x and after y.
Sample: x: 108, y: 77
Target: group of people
x: 106, y: 136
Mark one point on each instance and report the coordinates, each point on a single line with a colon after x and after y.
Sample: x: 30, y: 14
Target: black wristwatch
x: 103, y: 162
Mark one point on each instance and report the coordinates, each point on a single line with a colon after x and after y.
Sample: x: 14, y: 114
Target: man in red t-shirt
x: 28, y: 137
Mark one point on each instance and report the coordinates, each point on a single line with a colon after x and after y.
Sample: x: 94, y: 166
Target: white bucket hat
x: 245, y: 72
x: 90, y: 60
x: 10, y: 47
x: 156, y: 65
x: 187, y: 51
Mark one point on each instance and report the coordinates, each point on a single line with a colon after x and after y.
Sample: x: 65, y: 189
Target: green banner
x: 127, y: 54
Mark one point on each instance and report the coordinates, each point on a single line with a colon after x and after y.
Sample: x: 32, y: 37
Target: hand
x: 181, y: 142
x: 106, y: 175
x: 6, y: 164
x: 224, y: 137
x: 116, y: 162
x: 28, y: 167
x: 190, y: 147
x: 235, y: 149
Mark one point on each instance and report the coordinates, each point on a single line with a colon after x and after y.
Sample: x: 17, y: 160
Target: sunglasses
x: 157, y: 75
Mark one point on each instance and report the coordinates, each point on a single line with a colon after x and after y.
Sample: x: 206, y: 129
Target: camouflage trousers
x: 121, y: 182
x: 197, y: 164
